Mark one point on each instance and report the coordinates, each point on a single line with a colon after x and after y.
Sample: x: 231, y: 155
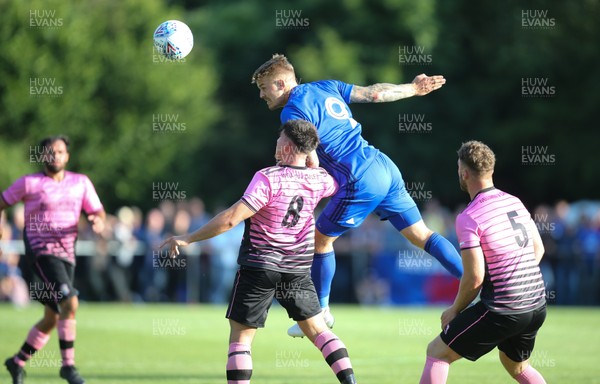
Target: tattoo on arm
x: 381, y: 93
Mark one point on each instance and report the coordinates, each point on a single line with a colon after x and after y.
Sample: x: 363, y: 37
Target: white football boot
x: 295, y: 331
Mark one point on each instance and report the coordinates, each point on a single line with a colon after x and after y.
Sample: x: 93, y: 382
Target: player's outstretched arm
x: 221, y: 223
x: 385, y: 92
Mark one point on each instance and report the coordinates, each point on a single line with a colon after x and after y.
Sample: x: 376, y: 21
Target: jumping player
x: 276, y: 252
x: 368, y: 180
x: 54, y: 200
x: 501, y: 249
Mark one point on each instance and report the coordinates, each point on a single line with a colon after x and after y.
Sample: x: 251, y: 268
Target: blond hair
x: 276, y: 65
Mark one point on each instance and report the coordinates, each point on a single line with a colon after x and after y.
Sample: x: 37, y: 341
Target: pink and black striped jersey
x: 280, y: 235
x: 52, y: 210
x: 500, y: 224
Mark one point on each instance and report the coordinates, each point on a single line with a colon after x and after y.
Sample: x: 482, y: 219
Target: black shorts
x: 477, y: 330
x: 254, y: 290
x: 51, y: 281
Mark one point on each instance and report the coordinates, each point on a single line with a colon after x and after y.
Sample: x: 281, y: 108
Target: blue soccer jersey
x: 343, y: 152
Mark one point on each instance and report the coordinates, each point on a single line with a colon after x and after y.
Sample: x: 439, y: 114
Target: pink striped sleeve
x: 91, y: 202
x: 467, y: 231
x: 15, y: 192
x: 258, y: 194
x: 330, y: 185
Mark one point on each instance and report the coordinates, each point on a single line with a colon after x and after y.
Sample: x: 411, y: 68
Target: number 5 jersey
x: 500, y: 224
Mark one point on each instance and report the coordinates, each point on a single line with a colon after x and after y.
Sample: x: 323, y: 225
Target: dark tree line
x: 521, y: 77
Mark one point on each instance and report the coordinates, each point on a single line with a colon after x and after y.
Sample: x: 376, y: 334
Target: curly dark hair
x: 303, y: 134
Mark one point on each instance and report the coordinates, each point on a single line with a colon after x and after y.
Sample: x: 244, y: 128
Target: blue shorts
x: 380, y: 190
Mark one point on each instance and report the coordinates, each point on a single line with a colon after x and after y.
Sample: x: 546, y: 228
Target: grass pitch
x: 188, y: 344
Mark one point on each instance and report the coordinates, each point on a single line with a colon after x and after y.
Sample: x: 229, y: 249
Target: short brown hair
x: 477, y: 156
x: 303, y: 134
x: 278, y: 63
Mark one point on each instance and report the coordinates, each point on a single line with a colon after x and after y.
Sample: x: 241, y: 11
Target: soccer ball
x: 173, y: 39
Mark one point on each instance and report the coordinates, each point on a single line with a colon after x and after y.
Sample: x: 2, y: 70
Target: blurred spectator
x: 372, y: 289
x: 124, y: 234
x: 374, y: 265
x: 564, y: 271
x: 95, y: 285
x: 198, y: 280
x: 122, y: 246
x: 223, y: 252
x: 545, y: 220
x: 587, y: 246
x: 13, y: 287
x: 365, y: 245
x: 435, y: 216
x: 177, y: 277
x: 198, y: 212
x: 18, y: 221
x: 168, y: 209
x: 153, y: 278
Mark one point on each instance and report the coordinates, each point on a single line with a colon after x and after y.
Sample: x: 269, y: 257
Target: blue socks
x: 321, y: 272
x: 440, y: 248
x: 323, y: 266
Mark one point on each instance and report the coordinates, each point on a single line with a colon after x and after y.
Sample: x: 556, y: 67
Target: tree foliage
x: 88, y: 70
x: 113, y: 89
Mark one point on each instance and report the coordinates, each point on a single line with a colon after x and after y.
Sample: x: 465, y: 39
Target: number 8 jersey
x: 500, y: 224
x: 280, y: 236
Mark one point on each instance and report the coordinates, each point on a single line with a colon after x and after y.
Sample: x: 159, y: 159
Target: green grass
x: 188, y: 344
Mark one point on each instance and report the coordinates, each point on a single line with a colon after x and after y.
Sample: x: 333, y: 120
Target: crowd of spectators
x: 376, y: 266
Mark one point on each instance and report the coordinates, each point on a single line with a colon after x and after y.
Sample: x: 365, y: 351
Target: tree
x: 88, y: 70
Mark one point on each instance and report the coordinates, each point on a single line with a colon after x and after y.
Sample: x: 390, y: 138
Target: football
x: 173, y: 39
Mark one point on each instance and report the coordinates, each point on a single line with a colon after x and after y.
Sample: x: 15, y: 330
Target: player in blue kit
x: 369, y: 181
